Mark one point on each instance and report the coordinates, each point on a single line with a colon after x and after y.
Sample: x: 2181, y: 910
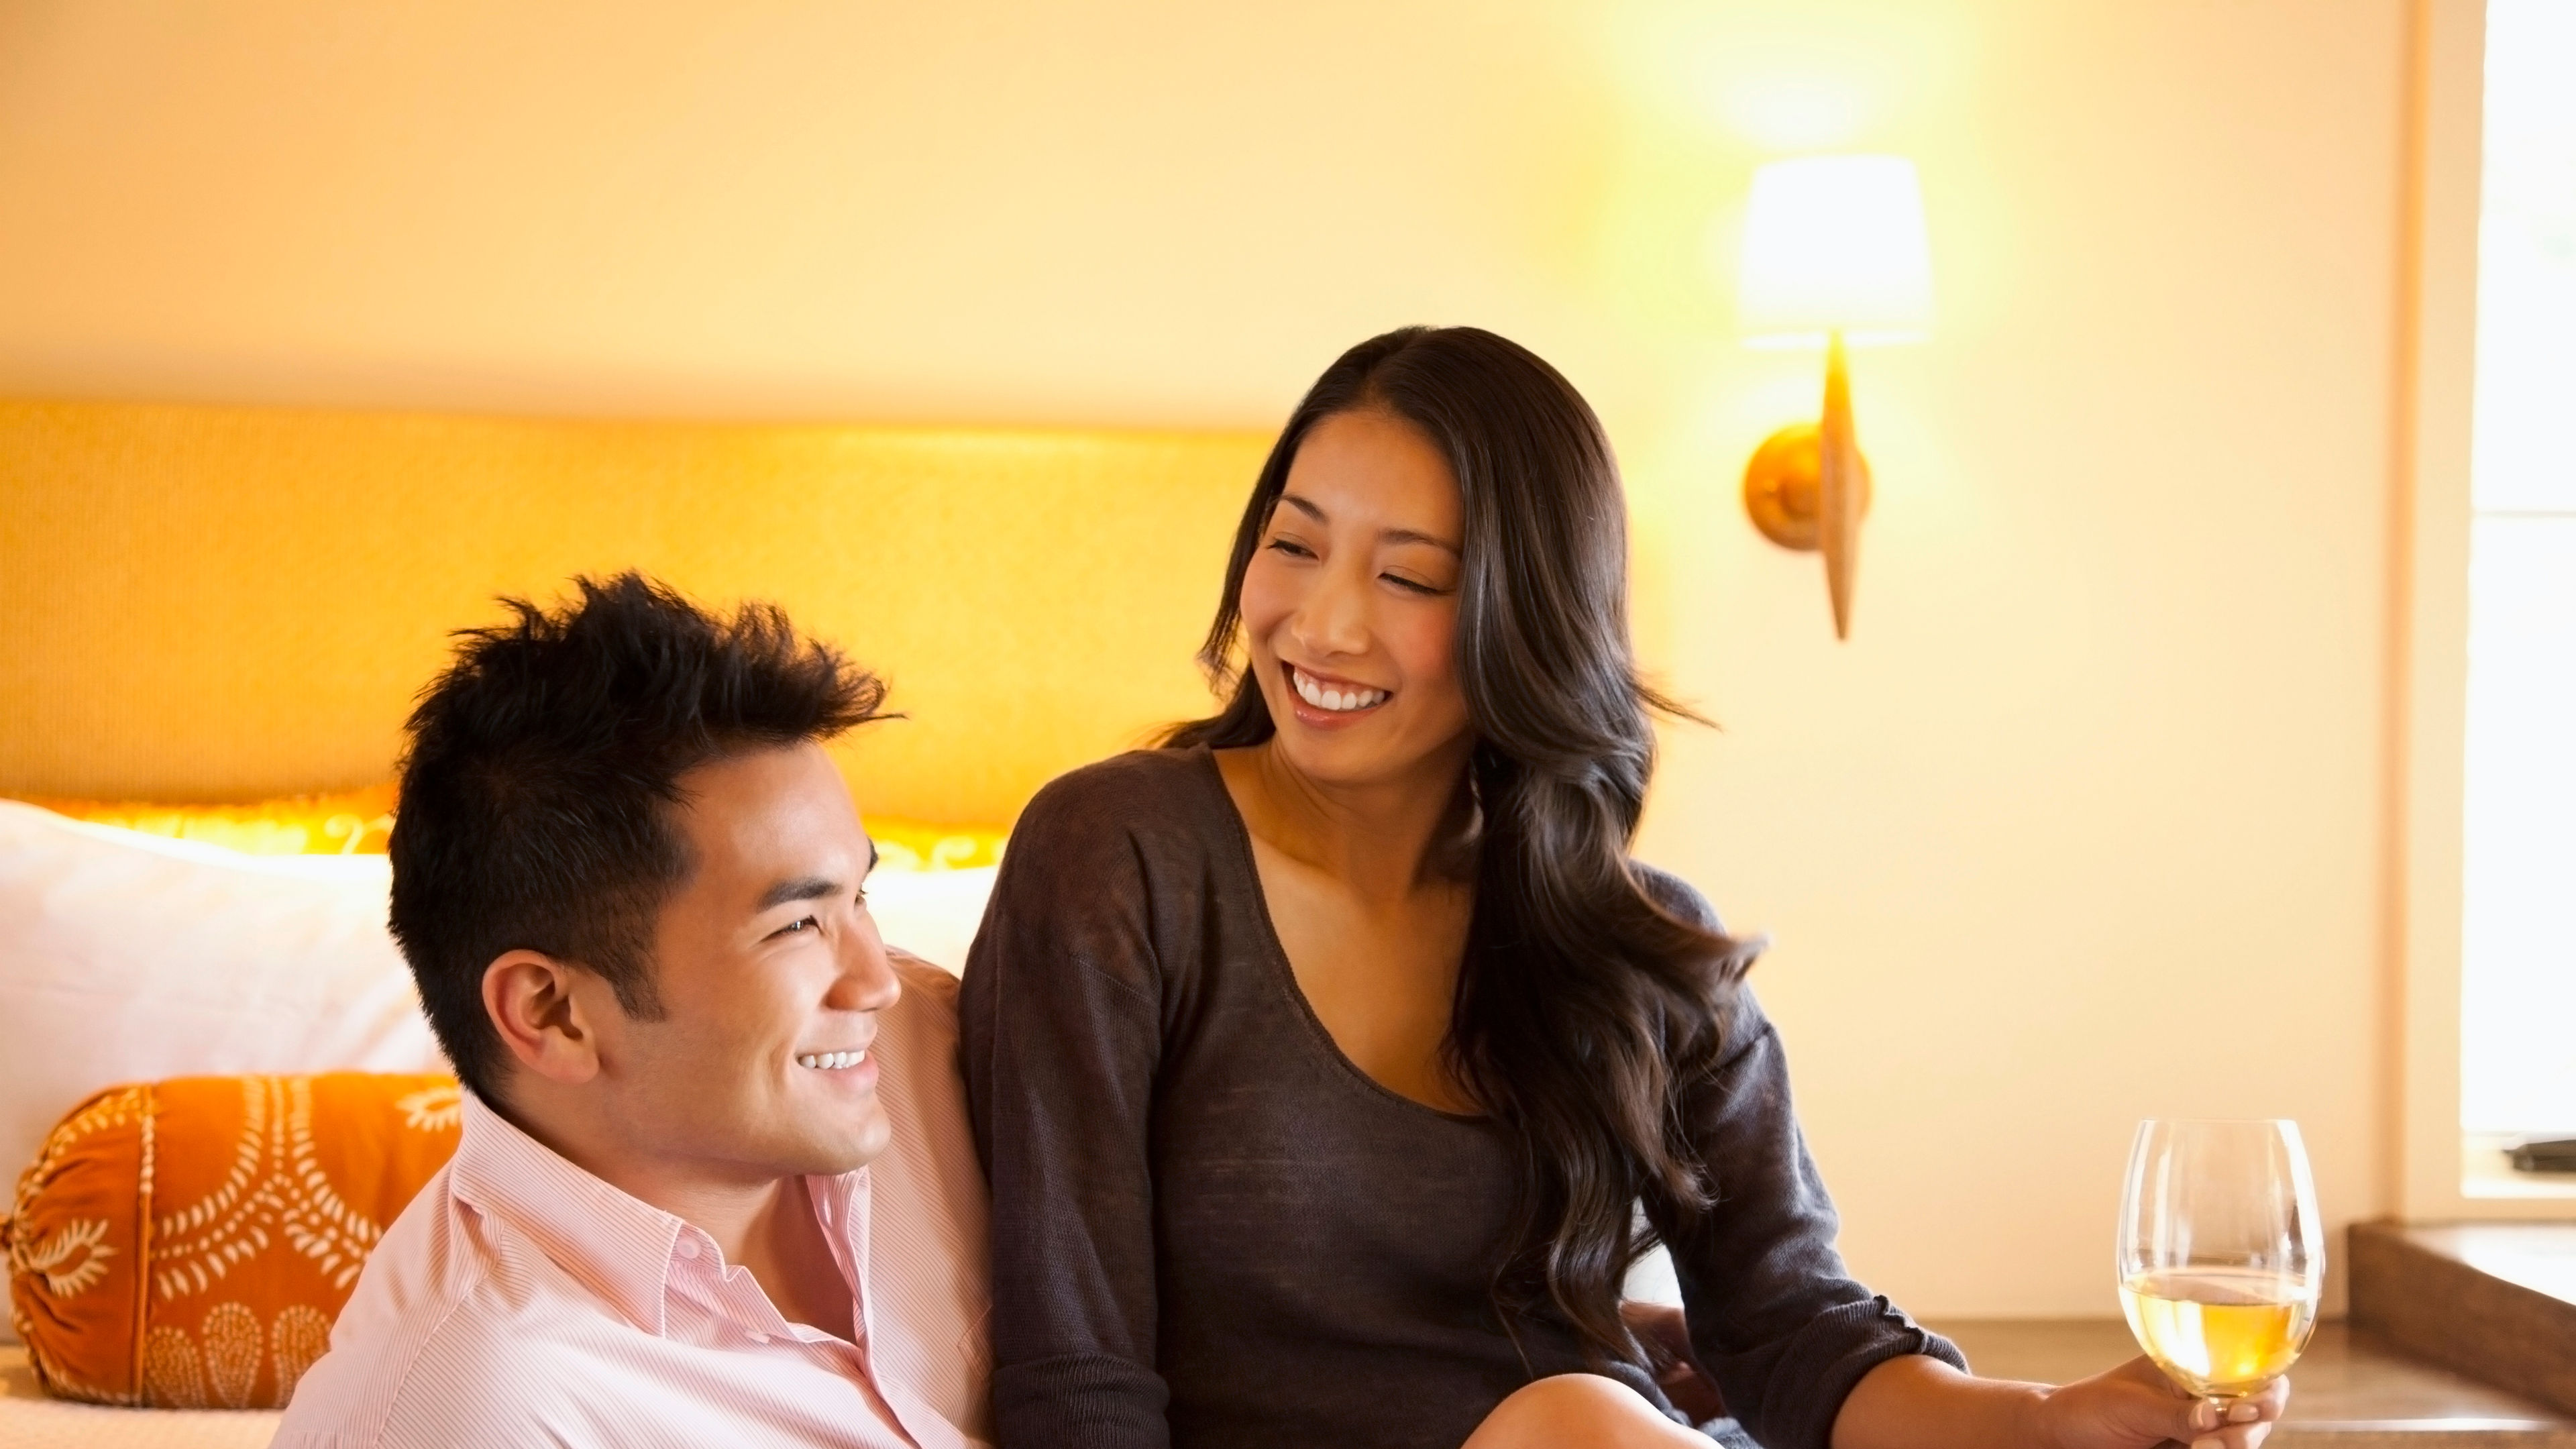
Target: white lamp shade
x: 1835, y: 243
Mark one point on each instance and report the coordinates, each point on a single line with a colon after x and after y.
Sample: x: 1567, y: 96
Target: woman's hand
x: 2135, y: 1406
x: 1665, y: 1334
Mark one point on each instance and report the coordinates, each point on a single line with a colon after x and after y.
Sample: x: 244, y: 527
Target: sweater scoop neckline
x: 1247, y: 866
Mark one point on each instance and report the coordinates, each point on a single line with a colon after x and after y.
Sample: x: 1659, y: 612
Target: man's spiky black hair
x: 543, y: 768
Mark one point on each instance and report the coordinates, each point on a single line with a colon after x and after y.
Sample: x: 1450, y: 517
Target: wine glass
x: 2221, y: 1254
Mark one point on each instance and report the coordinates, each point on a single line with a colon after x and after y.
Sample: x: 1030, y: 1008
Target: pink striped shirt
x: 522, y: 1300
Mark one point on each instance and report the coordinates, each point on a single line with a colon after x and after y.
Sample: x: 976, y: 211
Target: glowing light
x: 1835, y: 243
x: 1796, y: 113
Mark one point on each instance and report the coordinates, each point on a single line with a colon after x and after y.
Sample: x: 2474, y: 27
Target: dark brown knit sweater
x: 1211, y: 1229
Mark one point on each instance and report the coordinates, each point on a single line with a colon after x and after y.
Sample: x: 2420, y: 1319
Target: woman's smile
x: 1344, y: 699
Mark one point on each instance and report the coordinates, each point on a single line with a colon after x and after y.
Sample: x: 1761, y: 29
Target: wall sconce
x: 1834, y: 254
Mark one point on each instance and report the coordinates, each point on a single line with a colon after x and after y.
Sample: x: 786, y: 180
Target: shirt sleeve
x: 1773, y: 1313
x: 1061, y: 1033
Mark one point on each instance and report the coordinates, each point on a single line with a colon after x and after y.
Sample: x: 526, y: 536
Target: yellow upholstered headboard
x: 205, y: 603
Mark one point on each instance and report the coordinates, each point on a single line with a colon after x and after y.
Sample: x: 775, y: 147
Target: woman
x: 1323, y: 1060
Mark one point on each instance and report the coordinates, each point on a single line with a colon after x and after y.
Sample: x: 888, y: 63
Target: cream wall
x: 2087, y: 821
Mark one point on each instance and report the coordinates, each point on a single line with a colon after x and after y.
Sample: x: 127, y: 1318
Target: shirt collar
x: 616, y: 1244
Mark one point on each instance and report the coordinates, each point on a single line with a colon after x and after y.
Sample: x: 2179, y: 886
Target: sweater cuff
x: 1827, y: 1360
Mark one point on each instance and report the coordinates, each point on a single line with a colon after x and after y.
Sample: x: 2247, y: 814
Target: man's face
x: 770, y: 974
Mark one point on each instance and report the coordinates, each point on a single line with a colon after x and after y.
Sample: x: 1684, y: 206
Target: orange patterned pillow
x: 186, y: 1244
x: 355, y: 822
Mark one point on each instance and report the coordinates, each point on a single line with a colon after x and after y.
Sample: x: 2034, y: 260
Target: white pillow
x: 127, y: 957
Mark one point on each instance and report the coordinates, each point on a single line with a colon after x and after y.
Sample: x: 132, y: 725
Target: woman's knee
x: 1578, y: 1411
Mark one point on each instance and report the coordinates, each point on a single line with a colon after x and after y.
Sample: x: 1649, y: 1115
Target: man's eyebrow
x: 805, y: 888
x: 1388, y: 535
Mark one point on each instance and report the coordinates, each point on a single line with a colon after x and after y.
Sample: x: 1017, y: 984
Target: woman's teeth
x: 1336, y: 700
x: 831, y: 1061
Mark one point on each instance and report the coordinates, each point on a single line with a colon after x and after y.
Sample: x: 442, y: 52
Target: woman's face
x: 1350, y: 605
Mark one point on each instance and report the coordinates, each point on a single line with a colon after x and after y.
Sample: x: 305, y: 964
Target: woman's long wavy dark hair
x: 1585, y: 1008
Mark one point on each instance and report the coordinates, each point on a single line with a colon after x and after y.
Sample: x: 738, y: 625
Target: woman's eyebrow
x: 1411, y: 535
x: 1385, y: 535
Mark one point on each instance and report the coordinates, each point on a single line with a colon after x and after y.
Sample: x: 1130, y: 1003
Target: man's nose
x: 867, y: 981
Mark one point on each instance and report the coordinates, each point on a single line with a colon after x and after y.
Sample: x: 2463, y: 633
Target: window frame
x: 2435, y: 1159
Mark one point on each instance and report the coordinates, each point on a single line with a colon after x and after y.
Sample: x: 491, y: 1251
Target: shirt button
x: 688, y: 1248
x: 759, y: 1337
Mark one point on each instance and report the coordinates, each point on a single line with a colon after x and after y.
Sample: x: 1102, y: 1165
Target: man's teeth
x: 1333, y: 699
x: 831, y: 1061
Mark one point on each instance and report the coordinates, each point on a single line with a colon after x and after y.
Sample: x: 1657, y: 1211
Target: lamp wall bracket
x: 1783, y: 487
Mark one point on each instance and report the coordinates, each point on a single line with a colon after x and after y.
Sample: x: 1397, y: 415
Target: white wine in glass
x: 2221, y: 1256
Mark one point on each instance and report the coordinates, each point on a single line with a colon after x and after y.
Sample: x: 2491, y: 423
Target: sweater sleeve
x: 1060, y: 1029
x: 1773, y: 1313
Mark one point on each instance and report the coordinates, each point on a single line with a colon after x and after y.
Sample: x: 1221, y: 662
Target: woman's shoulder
x: 1142, y: 793
x: 1740, y: 1014
x: 1109, y: 855
x: 1676, y: 895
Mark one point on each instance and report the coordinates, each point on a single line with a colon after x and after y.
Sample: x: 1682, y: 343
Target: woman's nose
x: 1333, y: 618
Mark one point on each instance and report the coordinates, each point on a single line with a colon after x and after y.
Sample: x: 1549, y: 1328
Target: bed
x: 211, y: 604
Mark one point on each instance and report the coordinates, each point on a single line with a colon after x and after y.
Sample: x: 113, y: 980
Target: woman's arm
x: 1791, y: 1338
x: 1921, y: 1403
x: 1774, y: 1316
x: 1808, y: 1358
x: 1060, y: 1033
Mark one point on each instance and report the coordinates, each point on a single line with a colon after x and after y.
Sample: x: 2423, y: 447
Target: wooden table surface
x: 2348, y: 1392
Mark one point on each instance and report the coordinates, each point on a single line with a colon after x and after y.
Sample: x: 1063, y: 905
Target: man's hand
x: 2135, y: 1406
x: 1666, y: 1336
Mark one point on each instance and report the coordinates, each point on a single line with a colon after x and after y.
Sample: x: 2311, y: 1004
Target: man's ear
x: 530, y: 1000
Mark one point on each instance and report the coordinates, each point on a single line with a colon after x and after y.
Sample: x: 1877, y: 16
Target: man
x: 715, y: 1184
